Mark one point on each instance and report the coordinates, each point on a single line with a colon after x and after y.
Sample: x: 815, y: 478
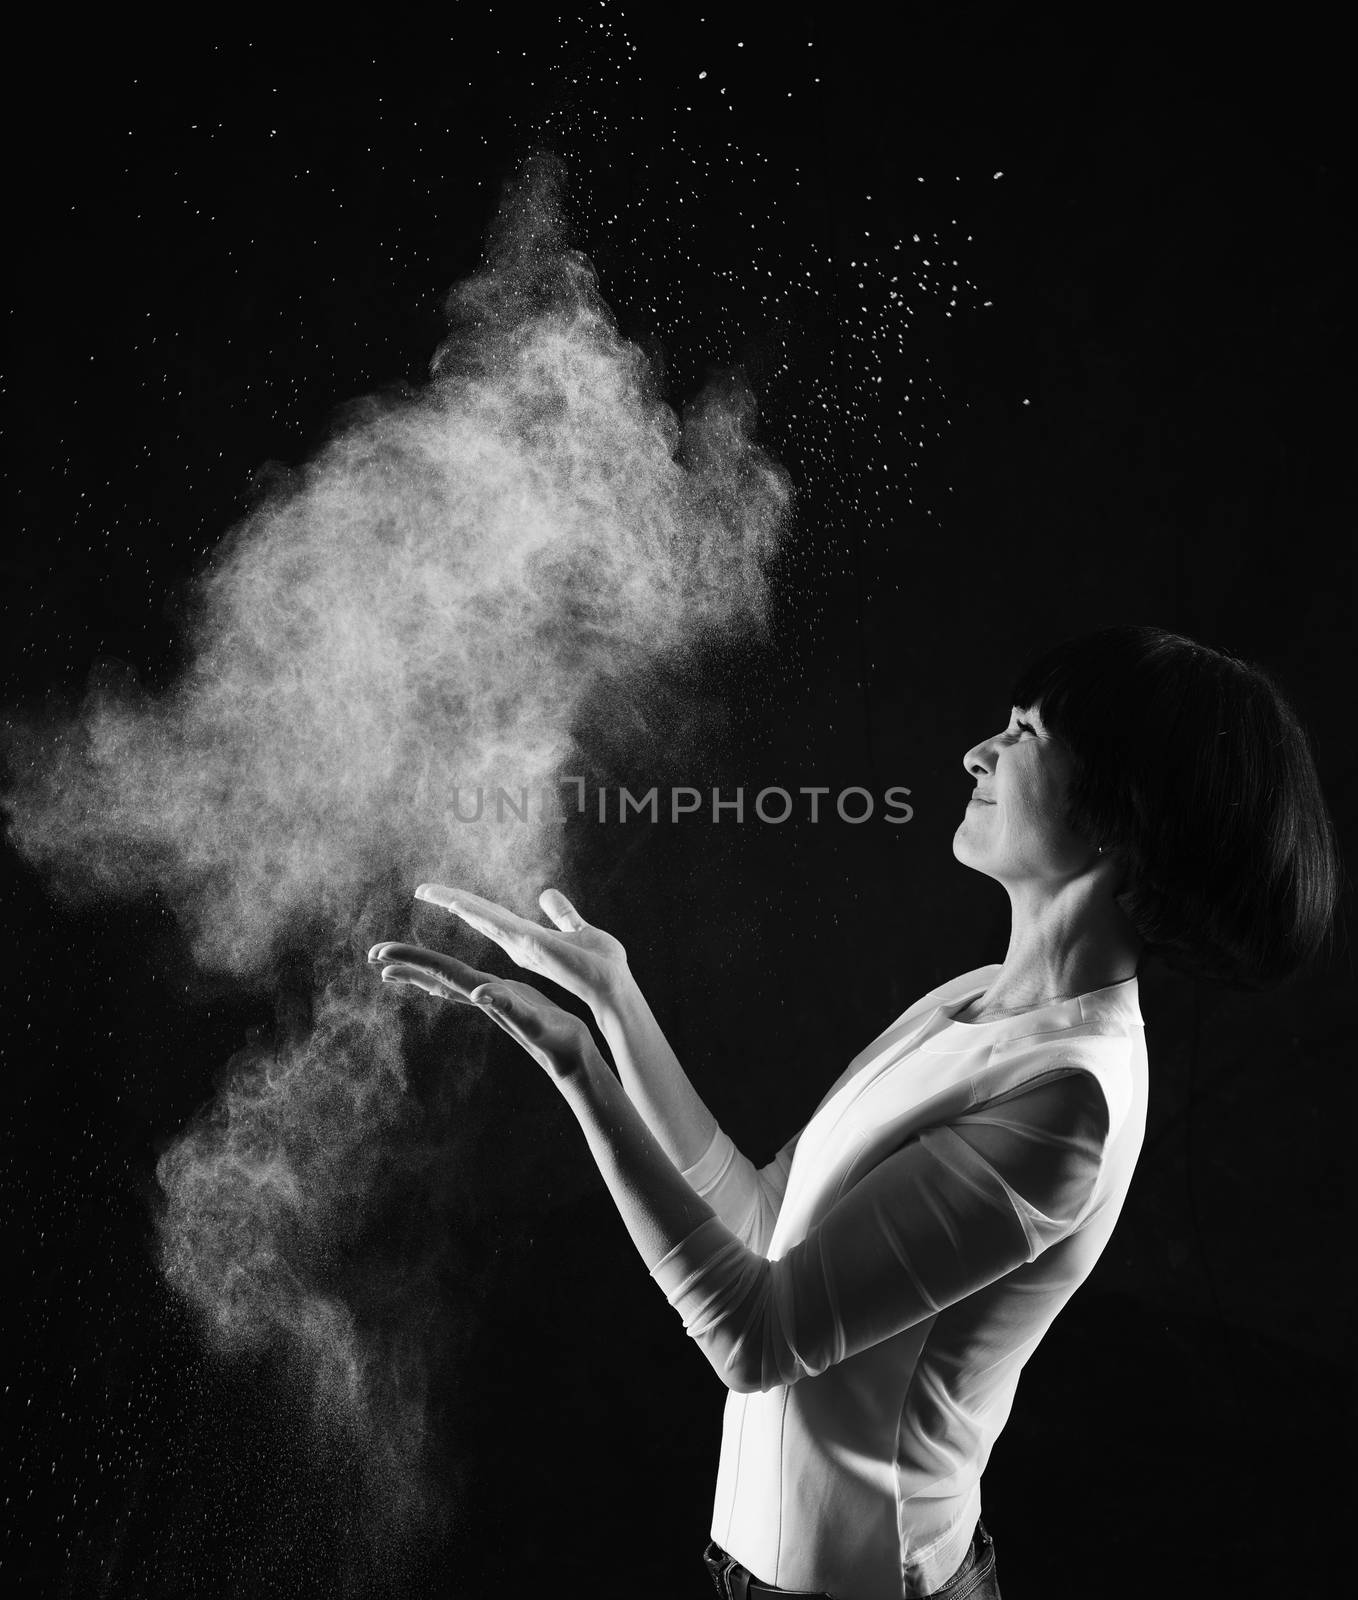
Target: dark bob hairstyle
x: 1192, y: 768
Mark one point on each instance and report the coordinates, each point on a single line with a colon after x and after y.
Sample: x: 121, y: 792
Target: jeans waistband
x: 735, y: 1582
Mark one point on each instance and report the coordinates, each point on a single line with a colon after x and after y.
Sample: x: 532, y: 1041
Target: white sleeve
x: 953, y: 1210
x: 745, y: 1197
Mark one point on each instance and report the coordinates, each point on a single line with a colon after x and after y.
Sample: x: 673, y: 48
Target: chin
x: 963, y: 852
x: 978, y: 859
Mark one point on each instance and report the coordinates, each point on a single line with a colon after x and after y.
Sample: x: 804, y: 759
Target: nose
x: 980, y: 759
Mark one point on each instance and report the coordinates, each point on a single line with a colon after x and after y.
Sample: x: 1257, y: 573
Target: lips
x: 980, y: 800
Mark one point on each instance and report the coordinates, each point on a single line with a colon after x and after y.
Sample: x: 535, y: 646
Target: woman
x: 870, y: 1296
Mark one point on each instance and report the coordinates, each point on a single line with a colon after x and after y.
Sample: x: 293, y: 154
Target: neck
x: 1062, y: 942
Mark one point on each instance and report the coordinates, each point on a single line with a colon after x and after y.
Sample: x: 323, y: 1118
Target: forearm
x: 658, y: 1208
x: 655, y: 1082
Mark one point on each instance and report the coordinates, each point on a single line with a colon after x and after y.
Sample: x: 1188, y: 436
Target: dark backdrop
x: 215, y: 242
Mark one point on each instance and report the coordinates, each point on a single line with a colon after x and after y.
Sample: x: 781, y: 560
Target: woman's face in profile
x: 1013, y: 829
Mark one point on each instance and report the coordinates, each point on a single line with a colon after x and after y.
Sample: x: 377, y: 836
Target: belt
x: 737, y: 1582
x: 754, y: 1590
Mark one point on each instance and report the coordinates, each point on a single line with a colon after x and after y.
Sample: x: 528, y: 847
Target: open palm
x: 584, y: 960
x: 557, y: 1040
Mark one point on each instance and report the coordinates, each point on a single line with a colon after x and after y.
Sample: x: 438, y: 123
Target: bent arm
x: 951, y: 1212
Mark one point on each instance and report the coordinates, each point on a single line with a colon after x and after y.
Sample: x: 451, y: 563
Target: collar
x: 1114, y: 1009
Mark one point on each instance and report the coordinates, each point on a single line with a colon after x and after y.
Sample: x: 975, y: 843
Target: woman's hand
x: 560, y: 1043
x: 585, y: 961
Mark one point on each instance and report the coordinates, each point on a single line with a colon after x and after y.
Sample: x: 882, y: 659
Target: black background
x: 216, y: 242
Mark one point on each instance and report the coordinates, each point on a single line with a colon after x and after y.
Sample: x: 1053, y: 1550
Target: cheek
x: 1040, y: 794
x: 1049, y: 794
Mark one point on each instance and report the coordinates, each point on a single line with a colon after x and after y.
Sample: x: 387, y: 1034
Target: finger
x: 556, y: 906
x: 489, y: 999
x: 456, y: 972
x: 417, y: 978
x: 433, y: 980
x: 508, y: 1007
x: 503, y: 1008
x: 484, y: 915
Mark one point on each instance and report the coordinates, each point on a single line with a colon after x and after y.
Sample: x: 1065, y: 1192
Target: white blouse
x: 872, y: 1294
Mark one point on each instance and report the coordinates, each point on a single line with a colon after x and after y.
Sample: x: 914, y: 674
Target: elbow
x: 745, y: 1374
x: 760, y: 1383
x: 738, y: 1372
x: 737, y: 1379
x: 742, y: 1340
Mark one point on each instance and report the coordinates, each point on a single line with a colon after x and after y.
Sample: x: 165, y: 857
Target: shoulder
x: 1068, y: 1104
x: 1047, y: 1140
x: 1077, y: 1082
x: 1067, y: 1049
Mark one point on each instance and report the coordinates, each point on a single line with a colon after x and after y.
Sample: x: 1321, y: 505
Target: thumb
x: 561, y: 911
x: 497, y: 1002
